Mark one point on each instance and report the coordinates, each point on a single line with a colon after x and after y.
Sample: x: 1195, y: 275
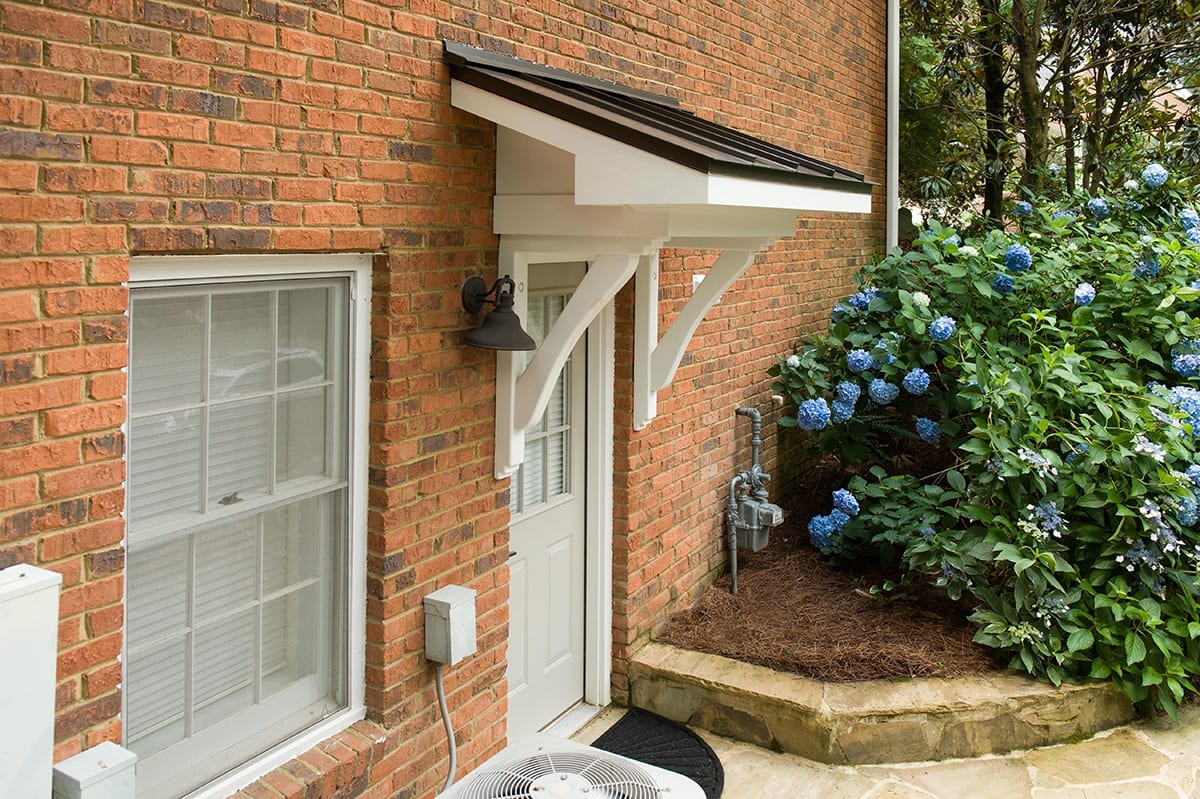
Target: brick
x: 163, y: 15
x: 238, y: 239
x: 240, y: 134
x: 171, y: 182
x: 199, y: 102
x: 210, y: 51
x: 205, y: 211
x: 88, y: 118
x: 125, y: 150
x: 39, y: 272
x: 43, y: 146
x: 17, y: 306
x: 18, y: 50
x: 303, y: 189
x: 105, y: 678
x: 84, y: 418
x: 273, y: 62
x: 51, y: 24
x: 18, y: 175
x: 17, y: 368
x: 134, y: 37
x: 202, y: 156
x: 117, y: 9
x: 78, y: 178
x: 173, y: 72
x: 43, y: 518
x: 109, y: 561
x: 74, y: 301
x: 39, y: 335
x: 14, y: 432
x: 23, y: 111
x: 104, y: 330
x: 162, y: 125
x: 109, y: 269
x: 245, y: 86
x: 81, y: 540
x: 17, y: 240
x: 168, y: 239
x: 244, y: 30
x: 107, y: 386
x: 37, y: 208
x: 129, y: 93
x: 108, y: 209
x: 86, y: 60
x: 239, y: 186
x: 78, y: 239
x: 38, y: 396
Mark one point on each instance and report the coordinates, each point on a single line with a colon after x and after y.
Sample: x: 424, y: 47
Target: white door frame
x: 598, y: 535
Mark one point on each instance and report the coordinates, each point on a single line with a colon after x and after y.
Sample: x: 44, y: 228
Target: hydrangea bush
x: 1017, y: 415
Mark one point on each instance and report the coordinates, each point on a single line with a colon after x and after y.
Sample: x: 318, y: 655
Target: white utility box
x: 28, y: 663
x: 450, y: 624
x: 105, y: 771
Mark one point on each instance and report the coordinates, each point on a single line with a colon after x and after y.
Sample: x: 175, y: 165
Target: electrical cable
x: 441, y: 695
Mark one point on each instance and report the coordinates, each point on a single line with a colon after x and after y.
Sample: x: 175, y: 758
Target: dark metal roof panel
x: 647, y: 121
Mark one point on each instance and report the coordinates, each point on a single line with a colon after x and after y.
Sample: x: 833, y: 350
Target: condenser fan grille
x: 555, y: 775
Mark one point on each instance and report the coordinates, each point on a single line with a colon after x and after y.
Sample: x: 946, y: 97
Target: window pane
x: 289, y: 647
x: 156, y: 695
x: 226, y: 572
x: 159, y: 609
x: 239, y: 450
x: 223, y: 668
x: 291, y: 543
x: 164, y: 464
x: 241, y: 344
x: 303, y: 332
x: 556, y: 446
x: 303, y: 435
x: 531, y: 477
x: 167, y: 353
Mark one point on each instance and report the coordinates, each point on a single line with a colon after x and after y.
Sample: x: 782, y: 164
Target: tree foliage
x: 1020, y: 94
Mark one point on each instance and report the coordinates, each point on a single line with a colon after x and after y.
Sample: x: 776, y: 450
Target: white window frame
x: 176, y: 270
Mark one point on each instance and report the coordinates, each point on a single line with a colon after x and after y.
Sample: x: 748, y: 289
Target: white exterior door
x: 547, y: 535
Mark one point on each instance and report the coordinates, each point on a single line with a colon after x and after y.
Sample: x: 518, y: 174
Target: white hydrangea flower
x: 793, y: 361
x: 920, y: 299
x: 968, y: 250
x: 1131, y: 185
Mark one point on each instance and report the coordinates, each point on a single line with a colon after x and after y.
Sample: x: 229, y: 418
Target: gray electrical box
x: 105, y: 771
x: 450, y: 624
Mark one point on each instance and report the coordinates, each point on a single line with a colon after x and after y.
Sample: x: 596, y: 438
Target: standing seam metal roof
x: 649, y: 122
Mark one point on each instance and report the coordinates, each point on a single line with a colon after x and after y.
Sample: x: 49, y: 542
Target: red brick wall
x: 141, y: 126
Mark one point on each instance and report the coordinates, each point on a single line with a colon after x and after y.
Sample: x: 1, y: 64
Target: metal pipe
x: 755, y: 431
x: 731, y: 520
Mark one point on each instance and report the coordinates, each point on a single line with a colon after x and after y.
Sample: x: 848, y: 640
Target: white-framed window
x: 245, y: 513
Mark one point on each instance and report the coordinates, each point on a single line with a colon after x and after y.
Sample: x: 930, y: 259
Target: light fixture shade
x: 501, y: 328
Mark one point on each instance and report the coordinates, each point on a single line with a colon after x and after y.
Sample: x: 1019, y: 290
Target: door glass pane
x: 532, y: 485
x: 241, y: 344
x: 166, y: 367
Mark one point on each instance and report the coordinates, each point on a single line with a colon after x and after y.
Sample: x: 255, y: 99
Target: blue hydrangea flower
x: 1133, y: 205
x: 862, y: 299
x: 846, y: 502
x: 1193, y: 235
x: 928, y: 430
x: 1154, y: 175
x: 839, y: 312
x: 838, y: 519
x: 882, y: 391
x: 1022, y: 209
x: 952, y: 239
x: 1186, y: 364
x: 1085, y: 294
x: 1193, y: 474
x: 859, y: 360
x: 1098, y: 208
x: 1188, y: 218
x: 821, y: 531
x: 813, y: 414
x: 916, y: 381
x: 1017, y: 258
x: 1187, y: 400
x: 1054, y: 169
x: 1003, y: 284
x: 842, y: 411
x: 942, y: 328
x: 1067, y: 215
x: 1147, y: 267
x: 1187, y: 511
x: 848, y: 392
x: 1049, y: 518
x: 1075, y: 451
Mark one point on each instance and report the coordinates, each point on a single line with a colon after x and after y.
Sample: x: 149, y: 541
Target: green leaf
x: 956, y: 480
x: 1135, y: 650
x: 1080, y: 640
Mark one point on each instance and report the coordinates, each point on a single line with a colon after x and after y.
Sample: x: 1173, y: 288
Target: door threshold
x: 572, y: 720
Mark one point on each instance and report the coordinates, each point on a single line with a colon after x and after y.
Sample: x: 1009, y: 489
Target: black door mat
x: 643, y: 736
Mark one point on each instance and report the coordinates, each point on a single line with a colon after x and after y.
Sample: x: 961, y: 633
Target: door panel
x: 547, y: 534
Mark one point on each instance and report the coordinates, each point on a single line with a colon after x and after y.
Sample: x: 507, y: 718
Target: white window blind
x: 238, y: 523
x: 542, y: 476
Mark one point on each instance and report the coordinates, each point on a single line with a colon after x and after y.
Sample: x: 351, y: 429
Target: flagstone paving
x: 1154, y: 759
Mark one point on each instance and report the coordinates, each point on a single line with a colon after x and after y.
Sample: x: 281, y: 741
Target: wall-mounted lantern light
x: 501, y: 328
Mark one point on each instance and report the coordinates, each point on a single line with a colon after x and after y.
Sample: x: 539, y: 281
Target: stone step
x: 874, y: 721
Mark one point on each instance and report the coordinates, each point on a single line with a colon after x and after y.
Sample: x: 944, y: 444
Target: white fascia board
x: 558, y: 216
x: 753, y: 193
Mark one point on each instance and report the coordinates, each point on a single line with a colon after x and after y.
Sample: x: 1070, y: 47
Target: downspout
x: 892, y: 179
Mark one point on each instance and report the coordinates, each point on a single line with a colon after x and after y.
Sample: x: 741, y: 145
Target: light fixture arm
x: 475, y: 292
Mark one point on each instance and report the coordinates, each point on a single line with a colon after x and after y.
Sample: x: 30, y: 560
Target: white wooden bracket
x: 655, y: 361
x: 525, y: 383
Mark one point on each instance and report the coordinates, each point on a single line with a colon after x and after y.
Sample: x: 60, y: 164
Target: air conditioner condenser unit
x: 543, y: 766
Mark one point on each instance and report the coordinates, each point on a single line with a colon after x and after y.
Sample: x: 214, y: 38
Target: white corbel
x: 655, y: 361
x: 523, y: 393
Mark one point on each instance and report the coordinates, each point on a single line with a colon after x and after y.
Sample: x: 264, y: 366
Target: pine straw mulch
x: 795, y: 613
